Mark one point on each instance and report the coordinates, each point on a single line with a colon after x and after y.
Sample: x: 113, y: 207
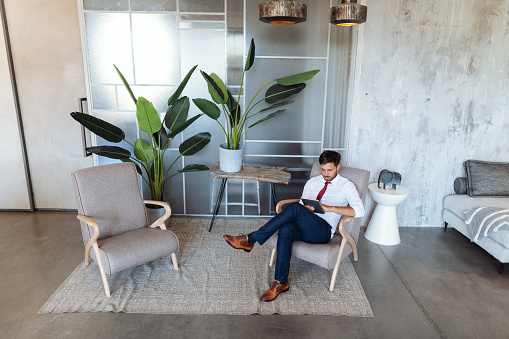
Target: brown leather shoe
x: 239, y: 242
x: 274, y: 290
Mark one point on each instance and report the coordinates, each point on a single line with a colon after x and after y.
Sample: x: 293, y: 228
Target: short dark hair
x: 328, y: 157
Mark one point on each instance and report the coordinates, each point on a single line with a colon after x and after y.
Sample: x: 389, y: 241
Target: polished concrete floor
x: 432, y: 285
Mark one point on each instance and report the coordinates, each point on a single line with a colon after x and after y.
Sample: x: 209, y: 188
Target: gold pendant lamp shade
x: 279, y: 12
x: 349, y: 13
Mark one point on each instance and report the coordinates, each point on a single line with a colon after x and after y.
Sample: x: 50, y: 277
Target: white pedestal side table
x: 383, y: 226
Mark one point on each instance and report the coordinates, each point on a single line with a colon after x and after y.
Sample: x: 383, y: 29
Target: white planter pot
x: 230, y: 160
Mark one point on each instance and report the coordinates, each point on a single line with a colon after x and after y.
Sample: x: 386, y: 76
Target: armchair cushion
x: 135, y: 248
x: 323, y: 255
x: 110, y: 195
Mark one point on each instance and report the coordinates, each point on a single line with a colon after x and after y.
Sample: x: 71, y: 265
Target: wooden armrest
x: 160, y: 222
x: 93, y: 238
x: 91, y: 222
x: 279, y: 206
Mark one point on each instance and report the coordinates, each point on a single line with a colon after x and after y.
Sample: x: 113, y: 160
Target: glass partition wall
x: 155, y: 43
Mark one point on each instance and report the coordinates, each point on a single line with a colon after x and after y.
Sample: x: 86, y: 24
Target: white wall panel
x: 46, y: 48
x: 13, y: 185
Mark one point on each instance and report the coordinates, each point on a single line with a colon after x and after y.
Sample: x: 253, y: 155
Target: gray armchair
x: 344, y: 241
x: 114, y: 220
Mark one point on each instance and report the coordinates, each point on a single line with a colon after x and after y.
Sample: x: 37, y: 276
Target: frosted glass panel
x: 198, y: 190
x: 201, y: 25
x: 109, y: 42
x: 156, y: 52
x: 300, y: 162
x: 302, y: 119
x: 202, y: 17
x: 111, y: 5
x: 154, y: 5
x: 271, y: 148
x: 304, y: 39
x: 104, y: 97
x: 214, y: 6
x: 234, y: 41
x: 124, y: 121
x: 158, y: 95
x: 339, y: 87
x: 173, y: 190
x: 206, y: 49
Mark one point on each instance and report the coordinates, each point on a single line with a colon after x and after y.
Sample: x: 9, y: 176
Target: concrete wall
x: 431, y: 91
x: 46, y: 49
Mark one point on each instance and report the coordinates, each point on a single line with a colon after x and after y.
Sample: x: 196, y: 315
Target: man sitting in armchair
x: 338, y: 197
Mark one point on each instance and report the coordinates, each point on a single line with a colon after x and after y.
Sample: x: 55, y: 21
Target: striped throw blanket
x: 482, y: 221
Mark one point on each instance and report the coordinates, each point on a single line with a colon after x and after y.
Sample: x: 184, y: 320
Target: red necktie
x: 320, y: 194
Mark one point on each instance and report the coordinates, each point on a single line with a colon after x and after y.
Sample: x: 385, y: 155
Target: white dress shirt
x: 340, y: 192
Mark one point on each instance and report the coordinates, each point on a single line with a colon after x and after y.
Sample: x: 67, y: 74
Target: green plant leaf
x: 208, y: 107
x: 100, y: 127
x: 148, y: 118
x: 194, y: 168
x: 183, y: 126
x: 181, y: 87
x: 279, y: 92
x: 215, y: 91
x: 235, y: 113
x: 124, y: 81
x: 219, y: 82
x: 276, y: 105
x: 297, y: 78
x: 250, y: 56
x: 163, y: 140
x: 138, y: 168
x: 194, y: 143
x: 143, y: 151
x: 177, y: 114
x: 112, y: 152
x: 271, y: 115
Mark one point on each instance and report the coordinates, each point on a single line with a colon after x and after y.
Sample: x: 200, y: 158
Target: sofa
x: 484, y: 187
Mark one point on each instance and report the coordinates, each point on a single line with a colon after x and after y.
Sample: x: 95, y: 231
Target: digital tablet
x: 315, y: 204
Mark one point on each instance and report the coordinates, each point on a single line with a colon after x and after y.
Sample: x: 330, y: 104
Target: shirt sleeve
x: 354, y: 200
x: 307, y: 192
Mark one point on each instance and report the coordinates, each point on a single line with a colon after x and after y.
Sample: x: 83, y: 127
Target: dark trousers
x: 294, y: 223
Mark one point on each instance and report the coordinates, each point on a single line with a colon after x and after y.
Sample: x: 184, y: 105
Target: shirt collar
x: 334, y: 181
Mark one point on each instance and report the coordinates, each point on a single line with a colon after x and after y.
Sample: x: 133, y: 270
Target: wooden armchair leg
x: 336, y: 267
x: 174, y: 261
x: 101, y: 269
x: 272, y: 257
x: 354, y: 250
x: 87, y: 256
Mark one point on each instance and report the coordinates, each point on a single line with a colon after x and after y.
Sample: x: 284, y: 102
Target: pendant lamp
x: 349, y: 13
x: 279, y: 12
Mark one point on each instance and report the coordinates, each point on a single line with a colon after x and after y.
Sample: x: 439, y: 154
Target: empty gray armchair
x: 343, y: 243
x: 114, y: 220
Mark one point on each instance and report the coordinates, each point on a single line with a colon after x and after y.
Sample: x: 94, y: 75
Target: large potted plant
x: 149, y: 152
x: 234, y: 127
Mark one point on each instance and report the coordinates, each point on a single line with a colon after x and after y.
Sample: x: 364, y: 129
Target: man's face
x: 329, y: 171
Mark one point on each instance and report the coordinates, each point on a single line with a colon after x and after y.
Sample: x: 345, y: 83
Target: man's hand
x: 311, y: 208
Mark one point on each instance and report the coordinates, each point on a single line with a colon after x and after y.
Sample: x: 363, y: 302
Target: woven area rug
x: 213, y: 279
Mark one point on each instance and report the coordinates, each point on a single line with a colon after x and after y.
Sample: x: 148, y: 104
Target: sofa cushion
x: 462, y: 202
x: 460, y: 185
x: 487, y: 178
